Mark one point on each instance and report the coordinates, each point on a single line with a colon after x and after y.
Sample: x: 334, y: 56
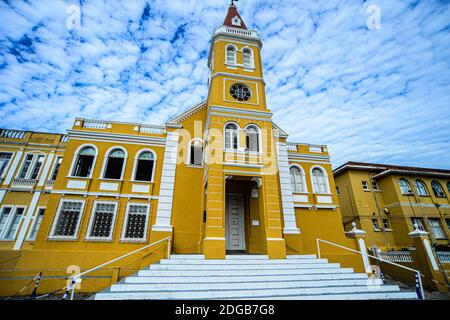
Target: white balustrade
x: 12, y: 134
x: 315, y: 149
x: 95, y: 124
x: 444, y: 256
x: 152, y: 129
x: 292, y: 147
x: 50, y: 184
x: 396, y: 256
x: 24, y: 183
x: 237, y: 31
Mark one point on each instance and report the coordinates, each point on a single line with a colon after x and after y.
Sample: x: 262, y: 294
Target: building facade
x: 388, y: 200
x: 219, y: 178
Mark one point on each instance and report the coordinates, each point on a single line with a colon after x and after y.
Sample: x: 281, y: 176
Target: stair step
x: 277, y: 266
x: 182, y: 273
x: 359, y: 296
x: 239, y: 256
x: 246, y: 293
x: 242, y: 261
x: 239, y: 279
x: 127, y: 287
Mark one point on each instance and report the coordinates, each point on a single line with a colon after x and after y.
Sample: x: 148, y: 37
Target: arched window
x: 405, y: 187
x: 114, y: 164
x: 196, y: 152
x: 297, y: 179
x: 145, y: 165
x: 247, y: 57
x: 252, y: 138
x: 84, y: 162
x: 319, y: 179
x: 421, y: 188
x: 231, y: 136
x: 231, y: 54
x: 437, y: 189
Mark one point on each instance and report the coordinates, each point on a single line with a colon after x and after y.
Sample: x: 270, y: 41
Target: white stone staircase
x: 298, y: 277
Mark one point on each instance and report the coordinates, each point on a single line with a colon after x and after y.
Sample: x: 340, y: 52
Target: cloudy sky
x: 372, y: 89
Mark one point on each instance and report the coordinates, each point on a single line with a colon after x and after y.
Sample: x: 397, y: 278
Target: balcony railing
x: 24, y: 183
x: 396, y: 256
x: 152, y: 129
x: 12, y: 134
x: 292, y: 147
x: 242, y: 157
x: 95, y: 124
x: 237, y: 31
x: 50, y: 184
x: 443, y: 256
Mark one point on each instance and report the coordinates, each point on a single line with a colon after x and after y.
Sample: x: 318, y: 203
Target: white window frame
x: 238, y: 130
x: 136, y: 158
x: 3, y: 174
x: 441, y: 233
x: 252, y: 58
x: 231, y: 63
x: 125, y: 222
x: 55, y: 163
x: 420, y: 223
x: 325, y: 175
x: 105, y: 163
x: 33, y: 224
x: 409, y: 186
x: 375, y: 224
x: 438, y: 184
x: 258, y: 129
x: 10, y: 220
x: 189, y: 153
x: 91, y: 221
x: 75, y: 160
x: 30, y: 169
x: 58, y: 213
x: 375, y: 186
x: 303, y: 177
x: 421, y: 182
x: 365, y: 185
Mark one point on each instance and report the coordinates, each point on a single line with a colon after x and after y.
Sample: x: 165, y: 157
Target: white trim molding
x: 165, y: 201
x: 287, y: 199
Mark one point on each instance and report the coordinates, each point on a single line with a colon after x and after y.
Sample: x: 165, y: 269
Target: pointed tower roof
x: 233, y: 19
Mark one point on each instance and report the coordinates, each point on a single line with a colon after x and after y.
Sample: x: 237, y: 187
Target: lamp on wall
x: 386, y: 210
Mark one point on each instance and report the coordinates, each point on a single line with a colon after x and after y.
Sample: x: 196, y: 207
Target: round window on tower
x: 240, y: 92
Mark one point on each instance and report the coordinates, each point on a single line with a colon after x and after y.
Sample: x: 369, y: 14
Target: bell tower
x: 236, y: 78
x: 242, y: 204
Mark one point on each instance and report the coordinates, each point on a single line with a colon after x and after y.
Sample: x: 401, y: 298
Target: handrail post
x: 380, y: 259
x: 318, y: 247
x: 168, y: 248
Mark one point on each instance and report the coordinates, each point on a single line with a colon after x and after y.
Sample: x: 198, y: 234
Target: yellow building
x: 219, y: 178
x: 387, y: 200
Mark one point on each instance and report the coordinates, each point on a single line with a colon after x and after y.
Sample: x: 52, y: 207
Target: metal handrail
x: 77, y: 277
x: 419, y: 275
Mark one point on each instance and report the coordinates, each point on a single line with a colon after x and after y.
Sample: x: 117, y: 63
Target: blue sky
x: 371, y: 94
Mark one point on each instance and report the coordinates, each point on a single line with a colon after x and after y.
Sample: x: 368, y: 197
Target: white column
x: 13, y: 167
x: 26, y: 222
x: 48, y: 163
x: 165, y: 199
x: 287, y: 199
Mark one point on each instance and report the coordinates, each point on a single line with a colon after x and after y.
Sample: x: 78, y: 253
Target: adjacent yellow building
x: 387, y: 200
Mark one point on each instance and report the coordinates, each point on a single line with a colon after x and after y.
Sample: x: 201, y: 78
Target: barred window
x: 68, y: 219
x: 436, y: 228
x: 136, y: 222
x: 102, y: 221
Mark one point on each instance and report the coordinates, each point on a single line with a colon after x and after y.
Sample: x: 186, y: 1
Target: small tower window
x: 252, y: 138
x: 231, y: 136
x: 231, y: 54
x: 247, y: 57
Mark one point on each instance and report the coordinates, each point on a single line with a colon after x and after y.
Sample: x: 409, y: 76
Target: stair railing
x: 419, y: 286
x: 77, y: 278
